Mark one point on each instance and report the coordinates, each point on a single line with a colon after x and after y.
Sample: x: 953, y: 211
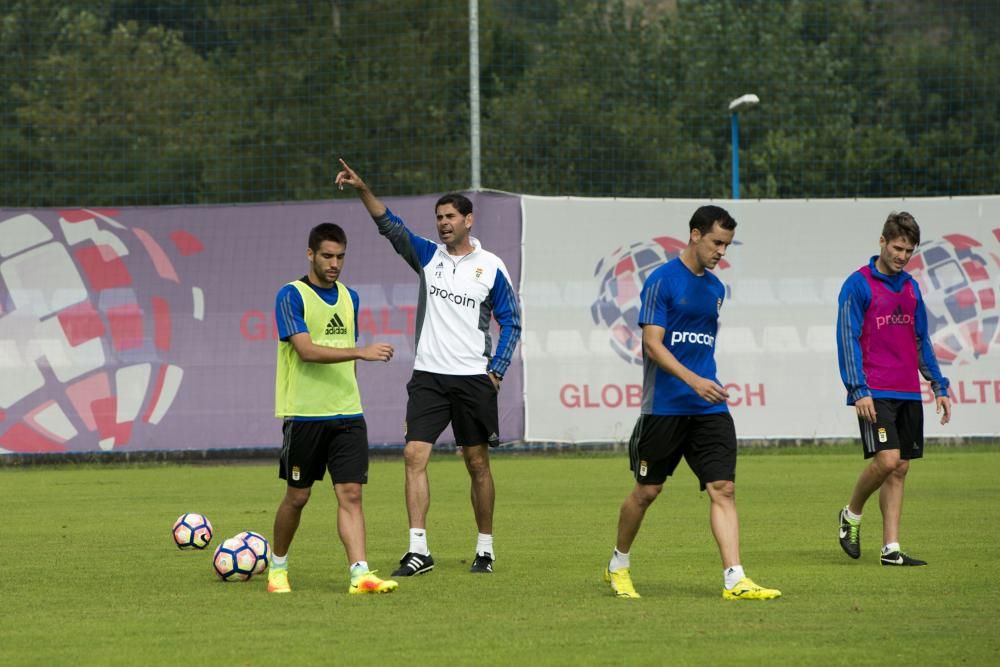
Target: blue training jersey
x: 687, y: 307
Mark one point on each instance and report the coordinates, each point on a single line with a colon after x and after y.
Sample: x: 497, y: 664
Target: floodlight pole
x: 735, y: 125
x: 743, y: 102
x: 474, y: 127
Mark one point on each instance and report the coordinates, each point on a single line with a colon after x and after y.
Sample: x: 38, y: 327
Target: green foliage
x: 92, y: 576
x: 189, y: 101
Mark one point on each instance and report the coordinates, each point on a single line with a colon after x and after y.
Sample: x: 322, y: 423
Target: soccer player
x: 316, y: 394
x: 684, y: 411
x: 456, y: 374
x: 882, y: 342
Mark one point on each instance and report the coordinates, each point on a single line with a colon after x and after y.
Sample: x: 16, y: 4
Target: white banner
x: 585, y: 261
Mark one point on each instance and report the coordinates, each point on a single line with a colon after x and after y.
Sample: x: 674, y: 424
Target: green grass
x: 90, y: 576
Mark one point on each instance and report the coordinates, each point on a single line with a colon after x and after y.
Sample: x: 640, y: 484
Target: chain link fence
x: 197, y: 101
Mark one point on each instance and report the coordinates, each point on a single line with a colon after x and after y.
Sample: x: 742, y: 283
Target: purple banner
x: 153, y: 328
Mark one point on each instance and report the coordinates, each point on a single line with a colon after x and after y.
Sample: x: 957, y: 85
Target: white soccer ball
x: 234, y: 560
x: 260, y: 546
x: 192, y: 531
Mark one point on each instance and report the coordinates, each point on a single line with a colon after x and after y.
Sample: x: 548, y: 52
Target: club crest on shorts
x: 642, y: 469
x: 296, y: 473
x: 882, y: 435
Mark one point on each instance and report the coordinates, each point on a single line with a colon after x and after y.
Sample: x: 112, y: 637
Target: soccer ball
x: 192, y: 531
x: 261, y: 547
x: 234, y: 560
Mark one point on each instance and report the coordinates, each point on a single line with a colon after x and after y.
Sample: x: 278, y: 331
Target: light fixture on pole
x: 743, y: 102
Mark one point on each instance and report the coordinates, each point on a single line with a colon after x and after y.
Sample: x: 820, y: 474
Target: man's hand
x: 495, y: 380
x: 944, y: 409
x: 349, y: 177
x: 376, y: 352
x: 710, y: 391
x: 865, y: 408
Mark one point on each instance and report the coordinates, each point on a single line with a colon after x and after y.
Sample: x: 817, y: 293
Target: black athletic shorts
x: 309, y: 448
x: 706, y: 442
x: 899, y: 424
x: 468, y: 402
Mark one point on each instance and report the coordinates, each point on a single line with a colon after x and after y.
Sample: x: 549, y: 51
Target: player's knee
x: 478, y: 467
x: 645, y: 494
x: 348, y: 494
x: 477, y: 460
x: 723, y: 489
x: 297, y: 498
x: 415, y: 457
x: 887, y: 462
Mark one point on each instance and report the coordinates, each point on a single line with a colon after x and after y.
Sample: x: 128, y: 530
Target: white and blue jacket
x: 457, y: 296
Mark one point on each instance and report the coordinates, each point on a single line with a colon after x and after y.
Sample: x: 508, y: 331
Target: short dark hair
x: 706, y: 216
x: 326, y: 231
x: 460, y: 202
x: 903, y: 225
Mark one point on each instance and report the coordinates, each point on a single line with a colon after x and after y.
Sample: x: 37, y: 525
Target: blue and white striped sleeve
x: 415, y: 250
x: 855, y: 296
x: 926, y: 360
x: 653, y: 303
x: 507, y: 313
x: 289, y: 313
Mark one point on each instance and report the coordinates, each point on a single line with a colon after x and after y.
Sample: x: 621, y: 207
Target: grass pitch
x: 91, y: 576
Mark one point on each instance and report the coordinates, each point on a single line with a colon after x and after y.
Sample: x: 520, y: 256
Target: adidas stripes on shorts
x: 899, y: 424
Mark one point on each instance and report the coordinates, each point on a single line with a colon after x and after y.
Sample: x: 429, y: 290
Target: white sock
x: 418, y: 541
x: 361, y: 565
x: 484, y: 545
x: 851, y: 515
x: 279, y: 561
x: 732, y: 575
x: 889, y: 548
x: 619, y: 561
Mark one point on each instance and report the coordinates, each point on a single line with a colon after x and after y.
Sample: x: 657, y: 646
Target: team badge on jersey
x: 479, y: 272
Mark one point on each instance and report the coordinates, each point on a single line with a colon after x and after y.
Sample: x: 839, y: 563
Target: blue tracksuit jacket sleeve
x: 855, y: 296
x: 929, y: 367
x: 415, y: 250
x: 508, y: 316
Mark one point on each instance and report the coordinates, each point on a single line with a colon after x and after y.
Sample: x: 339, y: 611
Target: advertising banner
x: 584, y: 265
x: 153, y: 328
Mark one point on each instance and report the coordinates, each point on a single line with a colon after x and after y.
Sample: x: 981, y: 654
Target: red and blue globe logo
x: 621, y: 276
x: 959, y: 277
x: 89, y: 308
